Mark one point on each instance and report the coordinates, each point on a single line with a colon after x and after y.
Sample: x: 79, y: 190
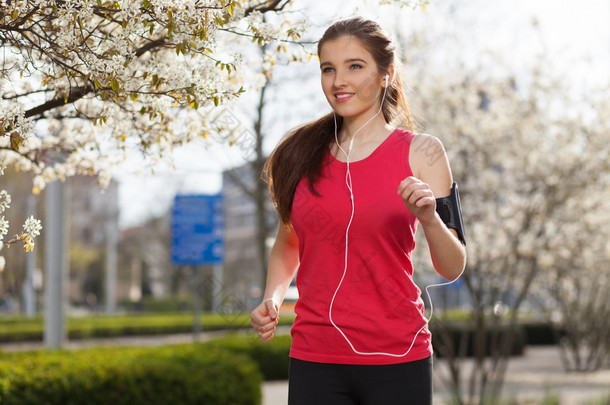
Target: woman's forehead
x: 341, y: 48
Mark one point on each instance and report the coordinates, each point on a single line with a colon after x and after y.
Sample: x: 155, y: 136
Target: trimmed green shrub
x: 151, y: 304
x: 185, y: 374
x: 462, y: 334
x: 271, y: 357
x: 541, y: 333
x: 18, y: 329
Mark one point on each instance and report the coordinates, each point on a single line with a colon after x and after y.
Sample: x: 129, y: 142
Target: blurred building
x: 144, y: 260
x: 242, y: 269
x: 93, y: 215
x: 93, y: 210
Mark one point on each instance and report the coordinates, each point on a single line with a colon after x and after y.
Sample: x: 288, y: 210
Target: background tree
x: 527, y: 155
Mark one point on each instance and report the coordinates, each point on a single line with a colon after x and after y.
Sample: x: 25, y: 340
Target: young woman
x: 350, y: 189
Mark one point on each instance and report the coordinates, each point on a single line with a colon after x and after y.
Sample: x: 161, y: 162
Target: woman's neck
x: 363, y: 132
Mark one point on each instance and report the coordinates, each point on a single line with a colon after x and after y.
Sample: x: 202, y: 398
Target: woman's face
x: 351, y: 80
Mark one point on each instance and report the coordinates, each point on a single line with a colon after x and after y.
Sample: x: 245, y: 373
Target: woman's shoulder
x: 422, y: 141
x: 426, y: 151
x: 428, y: 146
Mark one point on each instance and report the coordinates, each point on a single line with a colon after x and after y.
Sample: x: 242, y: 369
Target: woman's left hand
x: 418, y: 198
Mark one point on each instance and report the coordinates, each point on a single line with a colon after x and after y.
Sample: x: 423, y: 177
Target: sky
x: 574, y: 36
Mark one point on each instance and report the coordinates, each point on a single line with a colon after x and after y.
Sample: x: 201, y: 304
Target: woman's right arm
x: 283, y: 264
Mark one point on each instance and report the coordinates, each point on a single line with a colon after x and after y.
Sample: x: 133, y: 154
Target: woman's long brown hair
x: 302, y: 153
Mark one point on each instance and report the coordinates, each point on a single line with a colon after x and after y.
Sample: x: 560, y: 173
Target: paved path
x: 529, y: 378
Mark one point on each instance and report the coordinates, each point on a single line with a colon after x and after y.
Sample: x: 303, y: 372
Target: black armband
x: 448, y: 208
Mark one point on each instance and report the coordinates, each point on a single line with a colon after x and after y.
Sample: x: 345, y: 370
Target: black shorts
x: 343, y: 384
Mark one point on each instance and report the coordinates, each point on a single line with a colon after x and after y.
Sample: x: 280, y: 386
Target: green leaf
x: 115, y: 85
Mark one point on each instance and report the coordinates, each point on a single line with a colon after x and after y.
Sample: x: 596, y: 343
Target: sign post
x: 198, y: 240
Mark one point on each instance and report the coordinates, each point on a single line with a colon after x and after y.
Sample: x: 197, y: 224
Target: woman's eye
x: 356, y: 66
x: 327, y: 70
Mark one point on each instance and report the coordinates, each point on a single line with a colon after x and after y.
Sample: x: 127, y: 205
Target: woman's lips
x: 343, y: 97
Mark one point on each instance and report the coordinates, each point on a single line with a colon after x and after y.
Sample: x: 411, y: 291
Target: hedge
x: 19, y: 329
x: 272, y: 357
x: 185, y: 374
x: 463, y: 333
x: 542, y: 332
x: 228, y: 370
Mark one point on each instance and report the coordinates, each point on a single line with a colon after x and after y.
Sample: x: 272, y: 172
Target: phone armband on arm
x: 448, y: 208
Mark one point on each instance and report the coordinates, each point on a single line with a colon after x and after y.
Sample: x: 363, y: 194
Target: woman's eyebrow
x: 355, y: 60
x: 350, y: 60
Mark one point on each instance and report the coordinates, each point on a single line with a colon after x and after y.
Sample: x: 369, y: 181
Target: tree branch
x: 243, y: 34
x: 76, y: 94
x: 150, y: 45
x: 23, y: 155
x: 26, y: 94
x: 272, y: 5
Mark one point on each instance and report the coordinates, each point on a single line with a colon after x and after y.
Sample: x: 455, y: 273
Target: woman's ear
x: 389, y: 76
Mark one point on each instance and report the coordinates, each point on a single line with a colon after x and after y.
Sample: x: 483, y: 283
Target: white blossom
x: 3, y: 228
x: 5, y: 201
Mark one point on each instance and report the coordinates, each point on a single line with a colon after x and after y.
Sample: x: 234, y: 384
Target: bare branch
x: 266, y: 6
x: 76, y: 94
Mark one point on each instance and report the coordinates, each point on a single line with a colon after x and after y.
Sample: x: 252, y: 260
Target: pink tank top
x: 378, y: 306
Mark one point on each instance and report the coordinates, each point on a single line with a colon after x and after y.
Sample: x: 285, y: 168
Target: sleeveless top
x: 377, y: 310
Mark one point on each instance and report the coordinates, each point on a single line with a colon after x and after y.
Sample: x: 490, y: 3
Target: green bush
x: 19, y: 329
x: 272, y: 357
x: 541, y: 333
x: 462, y: 335
x: 151, y: 304
x: 186, y: 374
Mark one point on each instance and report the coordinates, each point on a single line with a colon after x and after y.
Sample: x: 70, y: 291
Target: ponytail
x: 301, y: 154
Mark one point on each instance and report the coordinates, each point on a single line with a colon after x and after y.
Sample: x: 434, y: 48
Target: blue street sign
x: 197, y: 230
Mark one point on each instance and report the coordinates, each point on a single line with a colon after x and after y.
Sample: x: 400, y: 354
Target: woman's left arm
x: 432, y: 179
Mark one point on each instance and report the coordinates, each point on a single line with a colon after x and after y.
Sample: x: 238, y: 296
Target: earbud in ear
x: 387, y: 77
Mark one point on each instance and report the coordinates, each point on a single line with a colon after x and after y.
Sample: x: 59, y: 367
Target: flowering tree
x: 532, y: 163
x: 86, y: 79
x: 86, y: 82
x: 83, y: 83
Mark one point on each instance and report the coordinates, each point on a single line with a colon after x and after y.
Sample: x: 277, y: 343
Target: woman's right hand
x: 264, y: 319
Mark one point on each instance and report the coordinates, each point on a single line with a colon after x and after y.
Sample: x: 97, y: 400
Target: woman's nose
x: 339, y: 79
